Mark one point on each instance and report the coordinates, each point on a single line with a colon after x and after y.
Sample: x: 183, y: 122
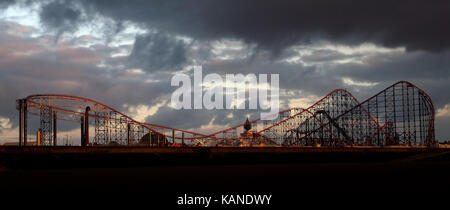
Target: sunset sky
x: 124, y: 53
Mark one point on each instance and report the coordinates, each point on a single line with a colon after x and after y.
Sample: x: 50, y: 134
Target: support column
x: 173, y: 136
x: 82, y: 130
x: 86, y: 126
x: 150, y: 143
x: 128, y: 134
x: 20, y: 107
x: 182, y: 138
x: 38, y: 137
x: 25, y: 122
x: 54, y: 129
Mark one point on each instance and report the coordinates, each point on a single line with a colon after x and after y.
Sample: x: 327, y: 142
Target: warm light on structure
x: 400, y: 115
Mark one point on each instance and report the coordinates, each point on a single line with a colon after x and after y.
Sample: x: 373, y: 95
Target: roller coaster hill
x: 402, y: 114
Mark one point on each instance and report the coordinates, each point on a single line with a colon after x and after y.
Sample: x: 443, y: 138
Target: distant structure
x: 250, y: 138
x: 153, y: 139
x: 247, y: 125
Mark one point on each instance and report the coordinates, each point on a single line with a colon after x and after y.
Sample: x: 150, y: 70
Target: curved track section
x: 109, y: 126
x: 401, y: 114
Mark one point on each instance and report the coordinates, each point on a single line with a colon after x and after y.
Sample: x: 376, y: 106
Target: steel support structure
x: 46, y: 124
x: 401, y: 114
x: 54, y: 129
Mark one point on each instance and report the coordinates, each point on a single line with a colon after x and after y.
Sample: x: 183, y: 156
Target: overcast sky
x: 124, y: 53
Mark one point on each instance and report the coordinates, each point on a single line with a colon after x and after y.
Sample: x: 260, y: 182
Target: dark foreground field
x: 224, y: 169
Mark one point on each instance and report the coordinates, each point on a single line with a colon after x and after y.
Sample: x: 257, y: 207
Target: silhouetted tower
x: 247, y: 125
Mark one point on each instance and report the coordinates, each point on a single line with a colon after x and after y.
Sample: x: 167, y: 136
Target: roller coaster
x: 401, y: 114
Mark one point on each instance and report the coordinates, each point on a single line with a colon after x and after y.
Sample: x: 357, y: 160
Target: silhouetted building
x: 154, y: 139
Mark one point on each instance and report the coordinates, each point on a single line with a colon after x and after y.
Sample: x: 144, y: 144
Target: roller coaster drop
x: 401, y: 114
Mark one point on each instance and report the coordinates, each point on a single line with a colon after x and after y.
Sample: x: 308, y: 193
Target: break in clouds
x: 124, y: 53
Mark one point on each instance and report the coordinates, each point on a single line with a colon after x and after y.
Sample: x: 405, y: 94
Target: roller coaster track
x: 400, y: 114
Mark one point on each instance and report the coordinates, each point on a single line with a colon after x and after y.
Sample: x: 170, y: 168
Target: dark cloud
x: 158, y: 52
x: 417, y: 25
x: 60, y: 16
x: 6, y: 3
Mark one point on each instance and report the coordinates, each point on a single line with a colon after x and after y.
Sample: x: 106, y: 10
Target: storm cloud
x: 416, y: 25
x: 60, y: 16
x: 158, y: 52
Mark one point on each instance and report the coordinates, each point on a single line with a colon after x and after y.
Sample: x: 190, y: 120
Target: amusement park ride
x: 401, y: 114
